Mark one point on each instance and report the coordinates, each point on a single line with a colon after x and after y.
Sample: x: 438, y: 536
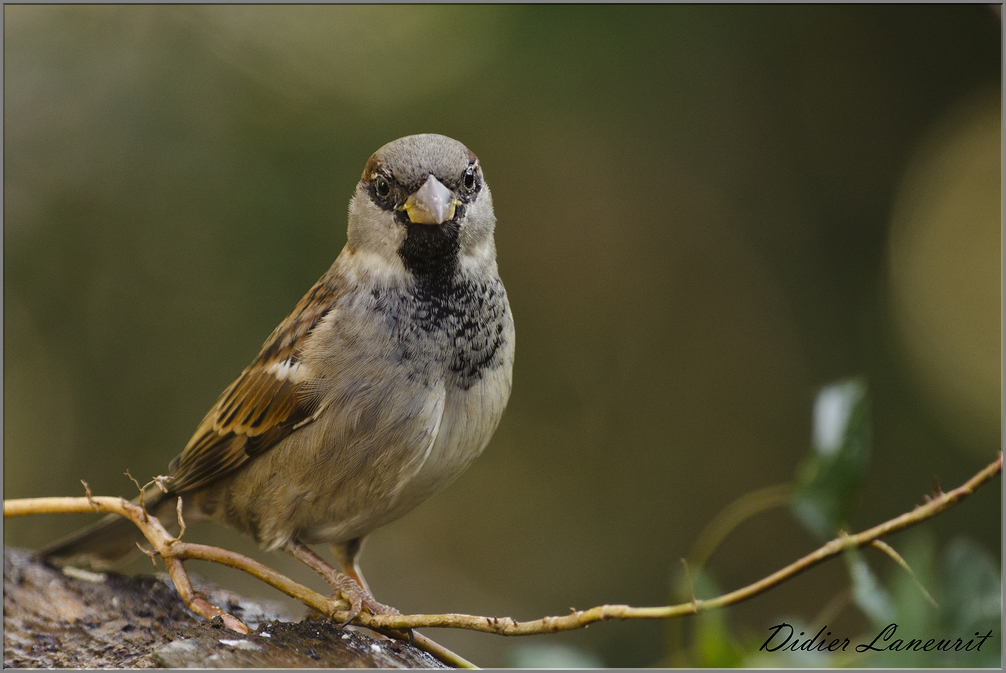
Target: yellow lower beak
x: 431, y: 204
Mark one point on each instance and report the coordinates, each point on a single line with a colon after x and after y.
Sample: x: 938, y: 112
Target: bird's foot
x: 350, y: 589
x: 358, y: 598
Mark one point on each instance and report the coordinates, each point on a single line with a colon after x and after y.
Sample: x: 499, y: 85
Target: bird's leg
x: 347, y: 553
x: 345, y: 586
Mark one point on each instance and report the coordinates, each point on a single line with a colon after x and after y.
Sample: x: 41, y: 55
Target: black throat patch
x: 462, y: 320
x: 430, y: 252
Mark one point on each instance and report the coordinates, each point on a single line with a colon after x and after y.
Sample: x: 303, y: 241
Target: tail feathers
x: 111, y: 541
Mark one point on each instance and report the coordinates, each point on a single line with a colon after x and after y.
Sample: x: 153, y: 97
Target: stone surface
x: 104, y: 620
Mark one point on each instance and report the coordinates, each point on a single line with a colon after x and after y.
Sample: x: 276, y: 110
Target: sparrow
x: 385, y: 382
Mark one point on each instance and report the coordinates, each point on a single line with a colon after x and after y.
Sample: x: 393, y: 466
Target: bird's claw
x: 358, y: 598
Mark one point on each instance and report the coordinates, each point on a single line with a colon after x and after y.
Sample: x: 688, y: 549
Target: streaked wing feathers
x: 265, y: 404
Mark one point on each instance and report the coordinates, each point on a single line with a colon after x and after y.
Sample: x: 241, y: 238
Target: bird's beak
x: 431, y: 204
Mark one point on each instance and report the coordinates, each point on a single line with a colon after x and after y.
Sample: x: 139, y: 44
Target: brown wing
x: 265, y: 404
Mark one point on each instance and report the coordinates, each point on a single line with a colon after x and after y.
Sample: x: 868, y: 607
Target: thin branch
x: 896, y: 557
x: 732, y: 516
x: 169, y: 547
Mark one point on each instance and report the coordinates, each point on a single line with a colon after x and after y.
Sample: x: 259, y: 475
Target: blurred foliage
x: 830, y: 478
x: 705, y: 213
x: 548, y: 655
x: 965, y: 581
x: 954, y: 639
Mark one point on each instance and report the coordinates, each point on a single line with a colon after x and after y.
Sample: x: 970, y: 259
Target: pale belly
x: 341, y: 478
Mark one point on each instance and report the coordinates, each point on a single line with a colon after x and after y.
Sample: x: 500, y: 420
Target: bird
x: 384, y: 383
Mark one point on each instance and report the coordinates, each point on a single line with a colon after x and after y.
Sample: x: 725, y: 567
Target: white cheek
x: 479, y: 257
x: 376, y: 267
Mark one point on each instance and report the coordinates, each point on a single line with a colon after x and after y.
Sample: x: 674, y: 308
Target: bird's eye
x: 382, y: 186
x: 470, y: 177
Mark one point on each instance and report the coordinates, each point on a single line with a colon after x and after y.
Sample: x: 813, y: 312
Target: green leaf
x: 829, y: 479
x: 551, y: 655
x: 972, y: 601
x: 915, y: 616
x: 969, y: 591
x: 867, y: 592
x: 714, y: 646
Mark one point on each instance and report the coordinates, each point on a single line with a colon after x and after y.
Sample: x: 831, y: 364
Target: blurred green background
x: 705, y: 213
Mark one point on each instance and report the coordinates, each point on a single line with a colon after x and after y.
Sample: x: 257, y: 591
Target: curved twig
x: 394, y: 625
